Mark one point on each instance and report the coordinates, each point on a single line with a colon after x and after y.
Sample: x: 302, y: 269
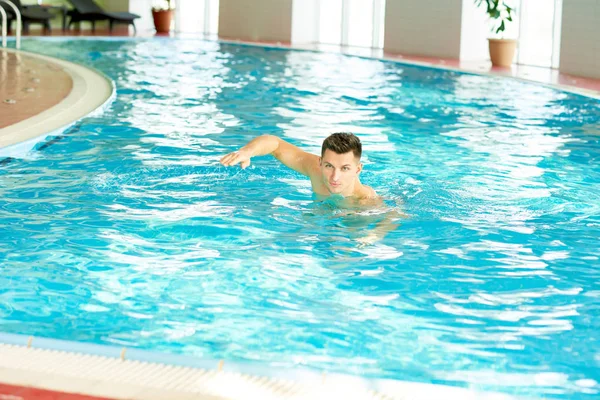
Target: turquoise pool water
x: 127, y: 231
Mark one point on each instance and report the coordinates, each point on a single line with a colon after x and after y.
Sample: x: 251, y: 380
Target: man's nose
x: 336, y: 175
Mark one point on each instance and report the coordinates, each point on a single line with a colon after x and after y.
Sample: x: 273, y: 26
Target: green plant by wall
x: 498, y: 11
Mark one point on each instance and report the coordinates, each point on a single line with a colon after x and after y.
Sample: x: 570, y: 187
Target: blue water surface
x: 127, y: 230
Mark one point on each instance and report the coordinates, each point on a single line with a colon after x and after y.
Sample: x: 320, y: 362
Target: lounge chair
x: 29, y: 15
x: 88, y: 10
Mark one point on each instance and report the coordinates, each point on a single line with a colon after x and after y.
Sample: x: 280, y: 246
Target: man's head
x: 340, y: 162
x: 342, y: 142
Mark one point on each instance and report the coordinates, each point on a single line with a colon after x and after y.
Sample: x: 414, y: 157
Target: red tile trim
x: 12, y: 392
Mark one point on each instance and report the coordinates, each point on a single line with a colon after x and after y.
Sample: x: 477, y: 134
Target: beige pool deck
x: 41, y: 95
x: 120, y: 373
x: 29, y: 86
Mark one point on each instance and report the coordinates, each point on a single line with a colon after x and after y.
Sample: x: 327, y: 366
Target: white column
x: 580, y: 39
x: 305, y: 21
x: 556, y: 33
x: 378, y: 19
x: 423, y: 27
x: 345, y: 22
x: 256, y: 20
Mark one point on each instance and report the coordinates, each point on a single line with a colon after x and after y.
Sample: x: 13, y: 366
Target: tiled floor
x: 10, y: 392
x: 29, y: 86
x: 537, y: 74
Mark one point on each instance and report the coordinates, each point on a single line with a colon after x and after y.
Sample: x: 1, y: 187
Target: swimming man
x: 335, y: 172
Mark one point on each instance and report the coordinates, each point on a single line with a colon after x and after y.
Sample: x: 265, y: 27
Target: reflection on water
x: 480, y: 269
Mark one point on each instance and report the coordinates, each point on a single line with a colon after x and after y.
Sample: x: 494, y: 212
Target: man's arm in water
x: 288, y: 154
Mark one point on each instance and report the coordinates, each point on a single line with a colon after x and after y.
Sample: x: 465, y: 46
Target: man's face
x: 339, y: 171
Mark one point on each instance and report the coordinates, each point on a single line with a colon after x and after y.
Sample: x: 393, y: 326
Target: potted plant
x: 502, y: 50
x: 162, y: 16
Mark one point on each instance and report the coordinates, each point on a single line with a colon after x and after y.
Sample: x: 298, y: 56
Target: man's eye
x: 346, y: 169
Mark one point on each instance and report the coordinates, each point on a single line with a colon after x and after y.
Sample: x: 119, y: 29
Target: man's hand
x: 237, y: 157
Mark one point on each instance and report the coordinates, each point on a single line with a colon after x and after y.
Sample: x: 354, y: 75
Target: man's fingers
x: 224, y: 159
x: 229, y: 159
x: 235, y: 158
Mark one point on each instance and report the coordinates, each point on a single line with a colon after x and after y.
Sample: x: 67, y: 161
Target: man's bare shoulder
x: 368, y: 197
x: 370, y: 192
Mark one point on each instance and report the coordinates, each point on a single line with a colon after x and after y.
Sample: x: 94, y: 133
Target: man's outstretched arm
x: 288, y: 154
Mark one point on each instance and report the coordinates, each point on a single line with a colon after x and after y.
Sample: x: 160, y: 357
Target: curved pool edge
x: 92, y: 92
x: 125, y: 373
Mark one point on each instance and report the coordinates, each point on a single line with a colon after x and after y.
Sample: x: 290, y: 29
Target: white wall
x: 256, y: 20
x: 423, y: 27
x: 143, y: 8
x: 580, y: 38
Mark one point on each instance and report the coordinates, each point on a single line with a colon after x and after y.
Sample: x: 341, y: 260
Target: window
x: 352, y: 22
x: 360, y: 23
x: 198, y: 16
x: 539, y: 32
x: 213, y: 17
x: 330, y: 21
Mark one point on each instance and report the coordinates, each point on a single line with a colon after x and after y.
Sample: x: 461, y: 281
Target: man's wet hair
x: 342, y: 142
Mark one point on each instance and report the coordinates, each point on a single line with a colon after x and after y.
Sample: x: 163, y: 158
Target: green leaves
x: 498, y: 10
x: 500, y: 28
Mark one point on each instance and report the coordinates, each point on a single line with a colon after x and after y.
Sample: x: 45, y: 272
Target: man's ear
x: 320, y: 161
x: 360, y: 167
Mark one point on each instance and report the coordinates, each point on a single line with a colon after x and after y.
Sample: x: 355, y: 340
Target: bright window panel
x: 512, y: 30
x: 379, y: 29
x: 536, y: 39
x: 191, y: 16
x: 330, y: 21
x: 360, y: 23
x: 213, y: 27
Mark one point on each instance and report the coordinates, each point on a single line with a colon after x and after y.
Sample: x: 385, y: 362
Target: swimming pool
x: 127, y: 231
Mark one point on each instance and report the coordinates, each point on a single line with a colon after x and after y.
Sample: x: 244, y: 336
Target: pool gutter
x: 123, y: 373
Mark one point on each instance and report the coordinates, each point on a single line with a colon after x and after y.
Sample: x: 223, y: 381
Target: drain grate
x: 125, y: 379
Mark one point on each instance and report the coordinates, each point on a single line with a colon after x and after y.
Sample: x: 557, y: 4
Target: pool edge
x: 122, y: 373
x: 92, y: 92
